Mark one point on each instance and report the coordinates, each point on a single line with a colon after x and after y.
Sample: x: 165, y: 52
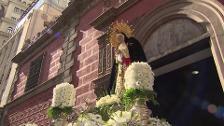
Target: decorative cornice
x: 77, y: 6
x: 111, y: 14
x: 104, y: 19
x: 31, y: 51
x: 8, y: 20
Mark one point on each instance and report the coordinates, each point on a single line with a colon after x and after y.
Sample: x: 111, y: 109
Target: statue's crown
x: 119, y: 27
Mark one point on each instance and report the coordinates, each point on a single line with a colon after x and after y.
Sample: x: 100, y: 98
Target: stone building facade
x: 11, y: 11
x: 29, y: 28
x: 76, y: 50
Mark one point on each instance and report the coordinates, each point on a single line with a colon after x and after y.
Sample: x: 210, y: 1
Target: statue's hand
x: 124, y: 50
x: 119, y: 58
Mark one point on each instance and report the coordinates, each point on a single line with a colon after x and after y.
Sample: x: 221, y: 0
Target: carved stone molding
x: 208, y: 13
x: 105, y: 19
x: 170, y: 36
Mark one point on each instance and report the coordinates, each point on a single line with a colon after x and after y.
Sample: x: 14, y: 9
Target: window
x: 16, y: 9
x: 10, y: 30
x: 34, y: 73
x: 22, y: 11
x: 13, y: 18
x: 106, y: 57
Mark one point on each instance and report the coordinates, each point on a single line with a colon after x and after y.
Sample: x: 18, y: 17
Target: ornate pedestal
x: 141, y: 108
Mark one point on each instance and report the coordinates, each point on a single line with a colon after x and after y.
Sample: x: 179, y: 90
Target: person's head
x: 122, y: 37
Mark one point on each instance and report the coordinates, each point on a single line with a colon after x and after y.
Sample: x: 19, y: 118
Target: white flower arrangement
x: 63, y: 95
x: 88, y: 119
x: 157, y: 122
x: 108, y: 100
x: 138, y: 78
x: 126, y: 118
x: 123, y: 118
x: 29, y: 124
x: 139, y: 75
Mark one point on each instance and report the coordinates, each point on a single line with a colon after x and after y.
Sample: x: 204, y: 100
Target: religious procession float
x: 131, y: 86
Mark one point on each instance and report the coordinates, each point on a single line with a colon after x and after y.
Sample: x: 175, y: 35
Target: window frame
x: 10, y: 29
x: 16, y: 10
x: 29, y: 84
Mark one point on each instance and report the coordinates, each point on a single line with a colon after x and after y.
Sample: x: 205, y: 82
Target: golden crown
x: 119, y: 27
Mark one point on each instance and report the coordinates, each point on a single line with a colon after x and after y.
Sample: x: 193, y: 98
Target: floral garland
x: 108, y: 100
x: 88, y: 119
x: 107, y: 105
x: 124, y: 118
x: 118, y: 118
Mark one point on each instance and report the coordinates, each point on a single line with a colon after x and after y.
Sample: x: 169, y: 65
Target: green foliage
x: 67, y: 110
x: 131, y: 95
x: 106, y: 110
x: 57, y: 112
x: 54, y: 112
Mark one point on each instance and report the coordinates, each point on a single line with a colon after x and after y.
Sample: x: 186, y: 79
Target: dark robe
x: 136, y: 54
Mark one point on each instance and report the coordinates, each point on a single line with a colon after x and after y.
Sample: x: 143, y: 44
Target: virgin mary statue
x: 127, y: 50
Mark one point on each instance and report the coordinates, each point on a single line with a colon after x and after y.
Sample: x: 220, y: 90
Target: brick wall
x: 51, y: 65
x: 35, y: 109
x: 85, y: 69
x: 88, y: 68
x: 54, y: 62
x: 32, y: 110
x: 87, y: 58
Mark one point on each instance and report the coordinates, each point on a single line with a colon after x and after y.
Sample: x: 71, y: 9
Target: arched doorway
x: 183, y: 44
